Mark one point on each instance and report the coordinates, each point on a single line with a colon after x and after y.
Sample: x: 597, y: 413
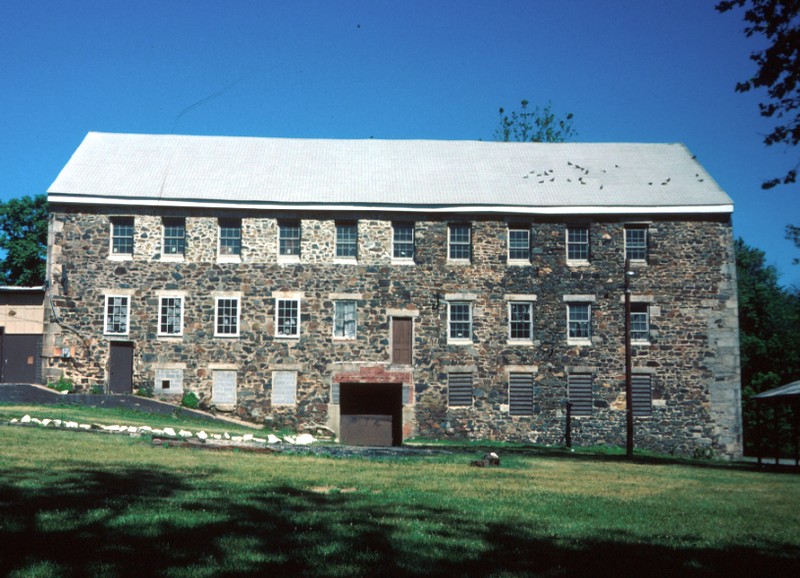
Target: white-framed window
x: 170, y: 316
x: 226, y: 317
x: 459, y: 321
x: 230, y: 237
x: 578, y: 243
x: 520, y: 321
x: 459, y: 240
x: 640, y: 323
x: 122, y: 236
x: 223, y: 387
x: 579, y: 321
x: 287, y: 318
x: 403, y: 241
x: 636, y: 243
x: 289, y: 238
x: 284, y: 388
x: 346, y: 240
x: 519, y: 243
x: 174, y: 236
x: 520, y: 393
x: 344, y: 319
x: 459, y: 389
x: 117, y: 314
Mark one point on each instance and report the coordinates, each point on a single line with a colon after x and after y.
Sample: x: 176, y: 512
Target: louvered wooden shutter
x: 642, y: 394
x: 520, y: 394
x: 459, y: 389
x: 579, y: 392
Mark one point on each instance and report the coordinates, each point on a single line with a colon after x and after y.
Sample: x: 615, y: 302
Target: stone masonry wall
x: 688, y: 283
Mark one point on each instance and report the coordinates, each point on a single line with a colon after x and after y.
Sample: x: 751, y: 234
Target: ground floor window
x: 459, y: 389
x: 223, y: 389
x: 520, y: 393
x: 284, y: 387
x: 579, y: 393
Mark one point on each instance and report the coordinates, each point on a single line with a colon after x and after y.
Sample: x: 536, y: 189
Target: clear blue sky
x: 632, y: 70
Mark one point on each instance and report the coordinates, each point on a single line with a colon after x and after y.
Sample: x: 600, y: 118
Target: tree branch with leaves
x: 536, y: 125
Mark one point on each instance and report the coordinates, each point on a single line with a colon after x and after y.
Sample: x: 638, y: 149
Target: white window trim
x: 228, y: 258
x: 512, y: 227
x: 355, y: 330
x: 517, y: 340
x: 579, y: 340
x: 631, y: 226
x: 578, y: 262
x: 178, y: 257
x: 460, y: 340
x: 349, y: 259
x: 459, y: 261
x: 183, y: 308
x: 406, y: 260
x: 296, y: 335
x: 120, y: 256
x: 290, y: 258
x: 238, y: 315
x: 127, y: 315
x: 647, y: 313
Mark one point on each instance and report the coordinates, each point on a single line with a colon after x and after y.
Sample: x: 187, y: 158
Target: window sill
x: 287, y: 337
x: 226, y: 336
x: 344, y: 339
x: 522, y: 342
x: 173, y: 258
x: 284, y: 259
x: 519, y: 263
x: 121, y: 257
x: 229, y: 259
x: 404, y: 262
x: 345, y: 261
x: 459, y: 262
x: 170, y: 337
x: 580, y: 342
x: 578, y: 263
x: 641, y: 343
x: 116, y: 335
x: 451, y: 341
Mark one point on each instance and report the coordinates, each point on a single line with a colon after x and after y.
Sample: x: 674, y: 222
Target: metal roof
x: 181, y: 170
x: 788, y: 390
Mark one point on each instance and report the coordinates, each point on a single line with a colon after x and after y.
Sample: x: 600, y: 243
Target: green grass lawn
x: 82, y: 504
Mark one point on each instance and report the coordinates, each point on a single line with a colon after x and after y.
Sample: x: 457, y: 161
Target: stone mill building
x: 395, y: 289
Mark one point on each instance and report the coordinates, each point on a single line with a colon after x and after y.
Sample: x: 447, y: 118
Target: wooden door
x: 402, y: 340
x: 120, y: 367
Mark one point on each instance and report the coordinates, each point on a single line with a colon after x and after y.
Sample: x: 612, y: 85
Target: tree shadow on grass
x: 144, y: 522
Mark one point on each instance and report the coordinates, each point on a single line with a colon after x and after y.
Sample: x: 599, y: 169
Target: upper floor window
x: 519, y: 243
x: 520, y: 326
x: 579, y: 326
x: 287, y: 318
x: 226, y: 323
x: 170, y: 316
x: 344, y: 319
x: 122, y: 236
x: 174, y: 236
x: 230, y: 237
x: 460, y: 243
x: 640, y: 322
x: 636, y: 243
x: 347, y: 240
x: 289, y: 238
x: 403, y: 241
x: 117, y: 314
x: 459, y: 321
x: 578, y: 243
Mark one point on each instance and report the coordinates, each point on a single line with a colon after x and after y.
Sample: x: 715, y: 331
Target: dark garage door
x: 371, y: 414
x: 21, y: 358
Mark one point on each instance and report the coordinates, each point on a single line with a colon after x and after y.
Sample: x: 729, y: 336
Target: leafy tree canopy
x: 23, y: 239
x: 536, y: 125
x: 778, y: 21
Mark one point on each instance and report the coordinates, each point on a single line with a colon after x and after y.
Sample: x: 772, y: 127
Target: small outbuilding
x: 784, y: 405
x: 21, y: 329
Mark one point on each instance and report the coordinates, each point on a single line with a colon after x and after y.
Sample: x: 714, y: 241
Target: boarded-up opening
x: 120, y: 367
x: 642, y: 395
x: 371, y: 414
x: 402, y: 338
x: 579, y: 392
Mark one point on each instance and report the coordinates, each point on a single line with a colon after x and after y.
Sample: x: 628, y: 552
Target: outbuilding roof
x: 407, y: 175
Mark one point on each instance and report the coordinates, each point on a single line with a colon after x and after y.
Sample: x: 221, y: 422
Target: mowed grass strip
x: 74, y: 504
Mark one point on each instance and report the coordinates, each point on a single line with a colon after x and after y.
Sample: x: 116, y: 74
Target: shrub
x: 145, y: 391
x: 63, y: 384
x: 190, y: 400
x: 97, y: 389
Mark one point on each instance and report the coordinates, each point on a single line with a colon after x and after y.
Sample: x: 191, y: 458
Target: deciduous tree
x: 537, y: 125
x: 23, y: 241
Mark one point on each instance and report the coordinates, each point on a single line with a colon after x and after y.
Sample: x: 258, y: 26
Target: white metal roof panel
x: 393, y: 174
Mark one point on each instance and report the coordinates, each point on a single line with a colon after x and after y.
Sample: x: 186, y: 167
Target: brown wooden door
x: 120, y: 367
x: 402, y: 340
x: 20, y: 357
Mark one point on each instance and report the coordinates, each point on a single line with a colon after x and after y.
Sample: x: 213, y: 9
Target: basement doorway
x: 120, y: 367
x: 371, y: 414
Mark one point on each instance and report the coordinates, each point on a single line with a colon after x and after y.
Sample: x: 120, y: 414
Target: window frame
x: 106, y: 318
x: 281, y: 303
x: 224, y: 242
x: 117, y: 224
x: 640, y: 248
x: 160, y: 331
x: 289, y: 247
x: 217, y: 316
x: 511, y: 322
x: 572, y: 336
x: 469, y: 322
x: 526, y: 259
x: 398, y: 244
x: 167, y: 225
x: 581, y: 246
x: 346, y: 241
x: 455, y: 245
x: 642, y: 318
x: 337, y: 319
